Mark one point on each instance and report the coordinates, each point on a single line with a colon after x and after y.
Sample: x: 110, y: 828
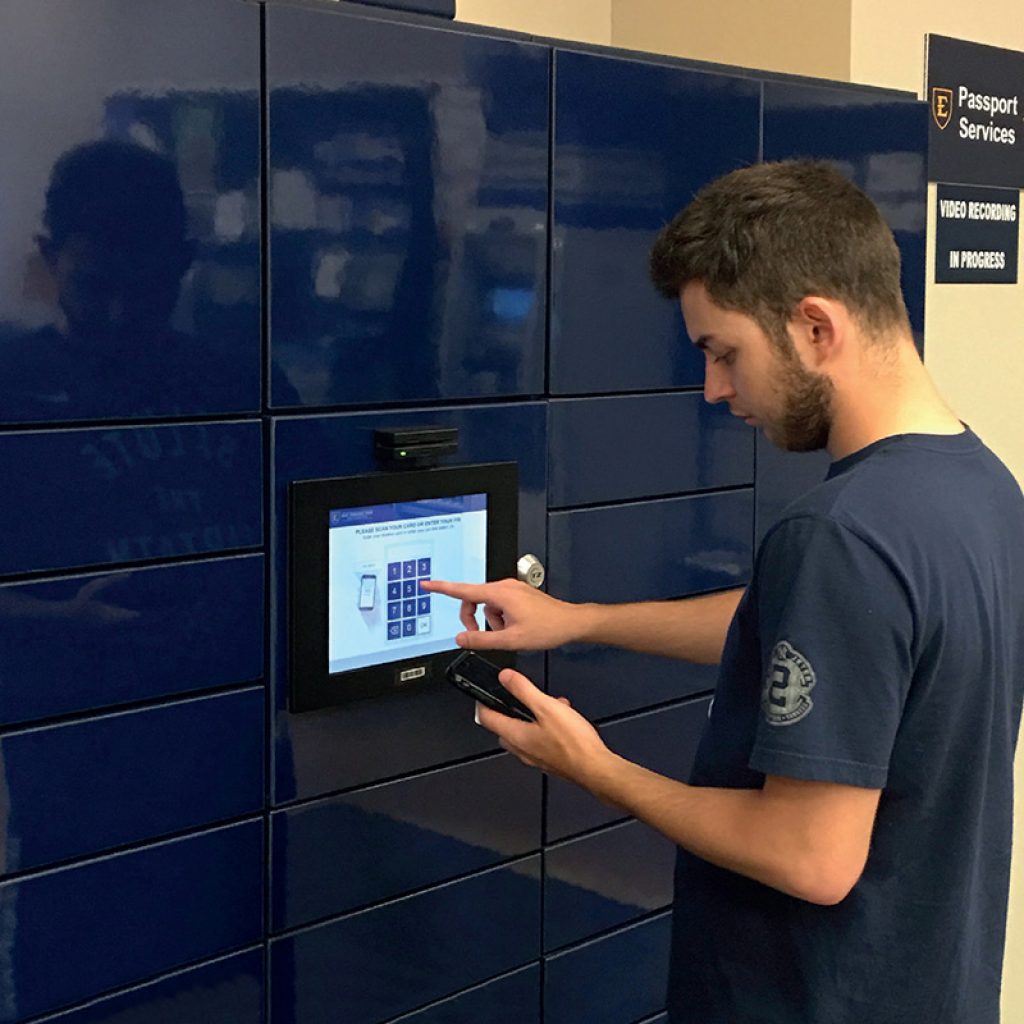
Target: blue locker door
x: 408, y: 211
x: 130, y: 238
x: 442, y: 8
x: 633, y: 142
x: 610, y: 980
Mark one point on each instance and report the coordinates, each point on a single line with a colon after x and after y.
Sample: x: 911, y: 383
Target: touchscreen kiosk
x: 361, y: 626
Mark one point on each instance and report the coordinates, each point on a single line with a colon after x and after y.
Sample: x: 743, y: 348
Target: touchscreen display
x: 377, y: 555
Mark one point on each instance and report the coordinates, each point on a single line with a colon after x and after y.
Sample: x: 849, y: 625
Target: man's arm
x: 807, y: 839
x: 691, y: 629
x: 524, y: 619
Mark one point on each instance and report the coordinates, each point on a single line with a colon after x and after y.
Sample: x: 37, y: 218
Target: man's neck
x: 889, y: 396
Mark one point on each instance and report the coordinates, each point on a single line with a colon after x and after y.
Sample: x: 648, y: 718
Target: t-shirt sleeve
x: 836, y: 628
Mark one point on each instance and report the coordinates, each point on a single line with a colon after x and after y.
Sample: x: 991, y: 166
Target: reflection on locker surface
x: 129, y: 264
x: 408, y: 204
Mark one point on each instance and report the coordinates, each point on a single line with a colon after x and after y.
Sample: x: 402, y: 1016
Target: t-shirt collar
x: 950, y: 444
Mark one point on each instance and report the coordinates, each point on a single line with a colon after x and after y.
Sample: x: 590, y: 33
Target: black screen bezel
x: 312, y: 685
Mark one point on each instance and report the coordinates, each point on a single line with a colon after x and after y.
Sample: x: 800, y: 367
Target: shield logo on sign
x: 942, y: 105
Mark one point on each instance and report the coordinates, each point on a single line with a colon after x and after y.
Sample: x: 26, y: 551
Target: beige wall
x: 974, y: 335
x: 887, y: 39
x: 748, y: 33
x: 587, y: 21
x: 742, y: 32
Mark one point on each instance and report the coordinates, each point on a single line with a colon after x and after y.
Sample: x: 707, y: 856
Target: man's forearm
x: 692, y: 629
x: 772, y: 838
x: 807, y: 838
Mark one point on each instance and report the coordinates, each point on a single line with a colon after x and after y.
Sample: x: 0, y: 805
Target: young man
x: 845, y: 834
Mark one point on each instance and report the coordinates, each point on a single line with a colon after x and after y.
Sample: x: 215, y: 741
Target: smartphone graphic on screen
x: 367, y: 593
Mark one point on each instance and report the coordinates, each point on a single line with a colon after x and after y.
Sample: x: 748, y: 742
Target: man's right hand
x: 521, y: 618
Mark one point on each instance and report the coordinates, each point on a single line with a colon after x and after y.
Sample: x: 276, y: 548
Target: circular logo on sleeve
x: 787, y: 689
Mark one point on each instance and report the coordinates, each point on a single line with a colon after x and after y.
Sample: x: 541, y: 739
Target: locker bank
x: 332, y: 221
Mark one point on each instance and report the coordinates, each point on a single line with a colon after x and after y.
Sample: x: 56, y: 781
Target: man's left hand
x: 561, y: 741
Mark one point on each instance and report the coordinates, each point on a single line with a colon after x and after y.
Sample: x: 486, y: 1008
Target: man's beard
x: 806, y: 419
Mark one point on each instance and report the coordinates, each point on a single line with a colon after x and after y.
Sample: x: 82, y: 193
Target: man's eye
x: 726, y: 358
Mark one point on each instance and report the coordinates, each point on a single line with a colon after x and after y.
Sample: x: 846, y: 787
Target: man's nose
x: 717, y: 386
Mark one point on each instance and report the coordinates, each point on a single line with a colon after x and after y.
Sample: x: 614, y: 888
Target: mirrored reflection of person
x: 87, y: 605
x: 115, y: 245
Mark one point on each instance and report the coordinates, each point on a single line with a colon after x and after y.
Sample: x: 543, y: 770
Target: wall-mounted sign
x: 976, y: 235
x: 976, y: 134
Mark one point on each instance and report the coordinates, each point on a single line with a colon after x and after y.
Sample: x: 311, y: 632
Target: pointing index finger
x: 475, y: 593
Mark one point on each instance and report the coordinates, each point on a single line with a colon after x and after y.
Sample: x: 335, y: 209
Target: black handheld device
x: 477, y: 677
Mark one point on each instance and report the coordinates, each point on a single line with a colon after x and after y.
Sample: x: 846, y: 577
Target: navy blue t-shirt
x: 880, y: 644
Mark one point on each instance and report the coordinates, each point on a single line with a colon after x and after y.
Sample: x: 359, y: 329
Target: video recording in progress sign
x: 976, y: 235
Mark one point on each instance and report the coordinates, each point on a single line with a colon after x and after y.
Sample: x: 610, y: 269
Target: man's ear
x: 821, y: 325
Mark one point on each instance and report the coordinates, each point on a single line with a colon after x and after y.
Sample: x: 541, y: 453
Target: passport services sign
x: 976, y: 132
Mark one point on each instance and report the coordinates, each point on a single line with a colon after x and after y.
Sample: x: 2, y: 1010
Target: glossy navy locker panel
x: 408, y: 211
x: 88, y: 786
x: 226, y: 991
x: 650, y: 550
x: 603, y: 880
x: 90, y: 497
x: 633, y: 142
x: 880, y: 141
x: 616, y: 979
x: 379, y: 963
x: 665, y: 741
x: 616, y: 448
x: 444, y: 8
x: 605, y: 681
x: 130, y: 237
x: 373, y: 844
x: 94, y: 641
x: 370, y: 740
x: 77, y: 932
x: 512, y: 999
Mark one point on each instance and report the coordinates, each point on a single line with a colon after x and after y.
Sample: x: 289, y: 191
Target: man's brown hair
x: 762, y: 238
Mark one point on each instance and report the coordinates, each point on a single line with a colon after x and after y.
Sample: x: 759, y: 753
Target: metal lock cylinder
x: 530, y: 569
